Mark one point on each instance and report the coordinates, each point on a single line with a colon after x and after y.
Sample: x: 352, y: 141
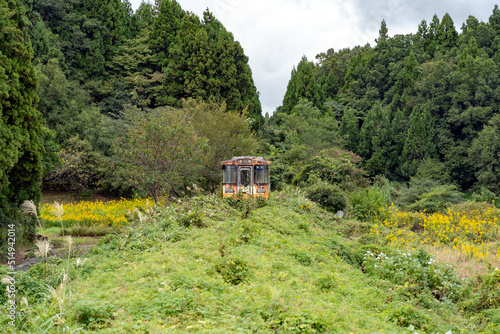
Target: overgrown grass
x: 465, y: 231
x: 284, y: 266
x: 93, y: 218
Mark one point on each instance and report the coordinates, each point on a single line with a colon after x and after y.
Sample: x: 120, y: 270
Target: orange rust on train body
x: 246, y: 177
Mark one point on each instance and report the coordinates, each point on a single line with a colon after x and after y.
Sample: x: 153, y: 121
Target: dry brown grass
x: 465, y: 265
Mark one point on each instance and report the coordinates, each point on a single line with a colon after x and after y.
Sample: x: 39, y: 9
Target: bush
x: 429, y: 195
x: 93, y: 315
x: 333, y: 166
x: 188, y: 219
x: 234, y: 271
x: 487, y: 295
x: 417, y: 273
x: 406, y: 316
x: 487, y: 196
x: 329, y: 196
x: 366, y: 203
x: 178, y: 302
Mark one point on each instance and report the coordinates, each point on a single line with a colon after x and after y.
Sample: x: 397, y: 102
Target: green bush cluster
x: 407, y: 315
x: 366, y: 203
x: 487, y: 294
x: 329, y: 196
x: 234, y: 270
x: 485, y: 195
x: 417, y: 272
x: 93, y: 315
x: 427, y: 194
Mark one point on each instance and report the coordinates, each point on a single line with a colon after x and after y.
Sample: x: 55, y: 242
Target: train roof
x: 239, y: 159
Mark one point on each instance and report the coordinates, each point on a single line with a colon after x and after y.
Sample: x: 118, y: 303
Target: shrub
x: 487, y: 295
x: 333, y: 166
x: 437, y: 199
x: 234, y: 271
x: 329, y: 196
x: 429, y: 195
x: 178, y: 302
x: 93, y: 315
x: 407, y: 315
x: 417, y: 272
x: 326, y: 282
x: 366, y: 203
x: 485, y: 195
x: 188, y: 219
x: 303, y: 258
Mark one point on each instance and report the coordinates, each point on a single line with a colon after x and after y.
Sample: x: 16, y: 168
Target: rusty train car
x: 247, y: 177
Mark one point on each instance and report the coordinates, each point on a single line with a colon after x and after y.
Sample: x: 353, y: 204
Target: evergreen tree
x: 165, y: 27
x: 374, y: 140
x: 21, y: 130
x: 206, y: 63
x: 404, y: 86
x: 398, y: 132
x: 433, y: 27
x: 485, y: 156
x: 494, y: 19
x: 302, y: 84
x: 446, y: 34
x: 349, y: 130
x: 382, y: 33
x: 380, y: 160
x: 145, y: 15
x: 419, y: 142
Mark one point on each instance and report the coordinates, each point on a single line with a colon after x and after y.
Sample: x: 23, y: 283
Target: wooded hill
x: 421, y: 101
x: 420, y: 108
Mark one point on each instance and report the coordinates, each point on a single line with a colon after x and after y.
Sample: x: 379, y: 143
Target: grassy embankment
x: 287, y: 266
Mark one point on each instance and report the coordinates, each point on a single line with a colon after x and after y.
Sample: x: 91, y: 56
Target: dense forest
x: 77, y: 76
x: 96, y: 97
x: 384, y: 158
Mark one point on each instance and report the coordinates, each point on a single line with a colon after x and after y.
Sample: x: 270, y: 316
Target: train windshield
x: 229, y: 174
x: 261, y: 174
x: 245, y: 176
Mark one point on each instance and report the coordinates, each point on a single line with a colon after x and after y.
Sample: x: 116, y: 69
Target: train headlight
x: 261, y: 191
x: 229, y: 191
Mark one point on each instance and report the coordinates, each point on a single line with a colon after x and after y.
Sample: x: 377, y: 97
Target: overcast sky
x: 275, y: 34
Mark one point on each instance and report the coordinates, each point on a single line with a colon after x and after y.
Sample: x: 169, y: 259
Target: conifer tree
x: 349, y: 129
x: 382, y: 33
x: 165, y: 27
x: 446, y: 34
x: 21, y: 143
x: 399, y: 129
x: 419, y: 142
x: 206, y: 63
x: 302, y: 84
x: 494, y: 19
x: 374, y: 143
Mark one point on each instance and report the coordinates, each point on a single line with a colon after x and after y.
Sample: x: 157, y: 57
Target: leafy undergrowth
x: 282, y: 266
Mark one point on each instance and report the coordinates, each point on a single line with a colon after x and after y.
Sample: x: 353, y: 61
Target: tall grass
x: 96, y: 214
x: 467, y: 230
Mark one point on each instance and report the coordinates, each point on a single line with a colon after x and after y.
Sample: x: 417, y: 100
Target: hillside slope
x: 212, y: 266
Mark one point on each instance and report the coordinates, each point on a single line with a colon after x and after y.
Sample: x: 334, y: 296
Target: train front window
x: 229, y: 174
x: 245, y: 176
x: 261, y: 174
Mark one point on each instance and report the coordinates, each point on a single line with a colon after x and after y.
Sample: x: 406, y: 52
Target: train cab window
x: 245, y: 176
x: 229, y: 174
x: 261, y: 174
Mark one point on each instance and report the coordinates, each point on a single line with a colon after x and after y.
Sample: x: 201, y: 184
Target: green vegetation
x: 402, y: 137
x: 426, y: 95
x: 21, y: 128
x: 287, y: 267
